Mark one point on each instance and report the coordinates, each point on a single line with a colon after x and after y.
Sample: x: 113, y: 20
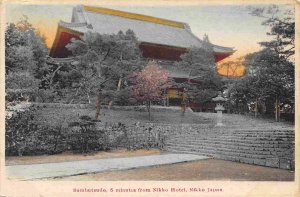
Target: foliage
x: 18, y: 131
x: 20, y: 86
x: 102, y: 61
x: 45, y: 96
x: 270, y: 74
x: 24, y: 46
x: 25, y: 53
x: 29, y: 134
x: 149, y: 84
x: 199, y: 63
x: 282, y: 29
x: 84, y: 133
x: 24, y: 136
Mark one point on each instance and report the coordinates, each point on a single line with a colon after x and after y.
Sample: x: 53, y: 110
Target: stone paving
x: 71, y: 168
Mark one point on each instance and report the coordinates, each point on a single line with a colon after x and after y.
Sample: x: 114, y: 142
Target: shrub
x: 45, y: 95
x: 83, y: 136
x: 13, y: 95
x: 19, y: 132
x: 25, y: 136
x: 27, y: 133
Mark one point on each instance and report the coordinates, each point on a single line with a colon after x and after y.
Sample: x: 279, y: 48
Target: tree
x: 200, y: 65
x: 273, y: 79
x: 282, y: 29
x: 25, y: 53
x: 274, y: 65
x: 23, y: 39
x: 104, y: 60
x: 149, y: 84
x: 270, y: 71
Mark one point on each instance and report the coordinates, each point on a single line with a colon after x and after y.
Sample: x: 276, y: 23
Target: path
x: 71, y: 168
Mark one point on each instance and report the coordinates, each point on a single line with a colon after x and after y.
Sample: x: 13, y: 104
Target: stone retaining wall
x: 272, y: 148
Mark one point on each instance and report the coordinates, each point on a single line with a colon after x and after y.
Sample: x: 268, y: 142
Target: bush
x: 12, y: 95
x: 29, y: 134
x: 24, y: 136
x: 83, y: 136
x: 18, y: 133
x: 45, y: 96
x: 141, y: 136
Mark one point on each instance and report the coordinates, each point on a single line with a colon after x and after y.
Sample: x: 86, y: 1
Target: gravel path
x: 71, y: 168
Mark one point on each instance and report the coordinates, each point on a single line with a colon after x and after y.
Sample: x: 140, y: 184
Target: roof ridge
x: 72, y: 24
x: 222, y: 47
x: 134, y: 16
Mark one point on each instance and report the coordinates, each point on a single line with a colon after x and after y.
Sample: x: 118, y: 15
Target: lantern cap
x: 219, y: 98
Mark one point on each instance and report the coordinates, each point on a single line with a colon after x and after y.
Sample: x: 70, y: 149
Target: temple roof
x: 147, y: 28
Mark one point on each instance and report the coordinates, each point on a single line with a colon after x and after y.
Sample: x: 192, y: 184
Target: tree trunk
x: 118, y: 89
x: 88, y: 97
x: 98, y: 106
x: 278, y: 106
x: 74, y: 96
x: 255, y: 110
x: 276, y: 109
x: 148, y: 103
x: 110, y: 104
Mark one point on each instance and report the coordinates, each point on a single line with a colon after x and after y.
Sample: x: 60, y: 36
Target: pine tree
x: 105, y: 63
x: 270, y: 77
x: 199, y: 64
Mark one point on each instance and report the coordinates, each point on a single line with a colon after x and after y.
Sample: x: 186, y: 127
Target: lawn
x: 168, y: 116
x: 172, y: 116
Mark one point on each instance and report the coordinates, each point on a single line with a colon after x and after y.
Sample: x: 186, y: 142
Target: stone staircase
x: 272, y: 148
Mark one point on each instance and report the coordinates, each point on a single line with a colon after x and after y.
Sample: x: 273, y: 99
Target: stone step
x: 240, y: 132
x: 260, y: 147
x: 274, y: 152
x: 270, y: 162
x: 201, y: 145
x: 232, y: 138
x: 267, y: 148
x: 223, y: 153
x: 275, y: 135
x: 232, y: 148
x: 254, y: 134
x: 214, y: 153
x: 260, y: 136
x: 233, y: 141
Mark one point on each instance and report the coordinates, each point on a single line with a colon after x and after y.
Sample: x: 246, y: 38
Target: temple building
x: 160, y: 39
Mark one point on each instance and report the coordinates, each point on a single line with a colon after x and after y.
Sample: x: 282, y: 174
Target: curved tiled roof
x: 79, y: 27
x: 147, y: 29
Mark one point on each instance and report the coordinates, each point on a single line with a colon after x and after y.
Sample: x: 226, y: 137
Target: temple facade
x: 159, y: 39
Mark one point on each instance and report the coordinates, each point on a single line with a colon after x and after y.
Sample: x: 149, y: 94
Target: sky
x: 225, y: 25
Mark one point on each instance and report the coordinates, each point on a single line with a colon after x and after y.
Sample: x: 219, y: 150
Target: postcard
x: 143, y: 98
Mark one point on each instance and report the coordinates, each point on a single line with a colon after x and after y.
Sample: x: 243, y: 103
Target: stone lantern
x: 219, y: 108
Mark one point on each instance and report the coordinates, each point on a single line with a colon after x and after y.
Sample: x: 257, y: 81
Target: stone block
x: 272, y: 162
x: 260, y: 149
x: 261, y: 162
x: 246, y: 160
x: 285, y: 164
